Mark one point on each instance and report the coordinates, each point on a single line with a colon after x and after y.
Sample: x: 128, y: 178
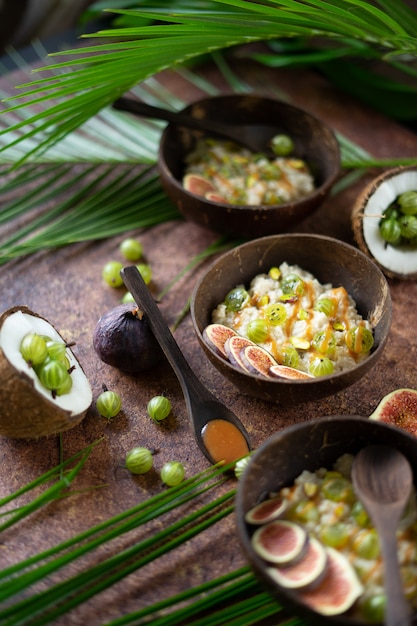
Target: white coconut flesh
x: 397, y: 259
x: 12, y: 331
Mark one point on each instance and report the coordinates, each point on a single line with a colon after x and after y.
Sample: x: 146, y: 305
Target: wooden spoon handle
x: 397, y: 611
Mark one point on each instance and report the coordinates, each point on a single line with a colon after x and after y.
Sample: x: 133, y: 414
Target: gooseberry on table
x: 109, y: 403
x: 131, y: 249
x: 172, y: 473
x: 158, y: 408
x: 111, y: 273
x: 139, y: 460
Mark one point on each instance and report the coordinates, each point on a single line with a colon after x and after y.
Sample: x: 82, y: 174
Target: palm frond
x: 78, y: 88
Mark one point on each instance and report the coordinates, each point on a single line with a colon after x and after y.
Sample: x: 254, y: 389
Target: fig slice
x: 266, y: 511
x: 216, y: 335
x: 198, y: 185
x: 280, y: 541
x: 257, y: 360
x: 213, y: 196
x: 337, y: 591
x: 304, y: 572
x: 28, y: 409
x: 283, y: 371
x: 398, y: 408
x: 233, y: 348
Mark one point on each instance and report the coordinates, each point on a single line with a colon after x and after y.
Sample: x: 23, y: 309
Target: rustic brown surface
x: 65, y: 286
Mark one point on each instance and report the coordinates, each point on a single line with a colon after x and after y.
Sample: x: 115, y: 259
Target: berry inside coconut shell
x: 28, y: 409
x: 396, y: 261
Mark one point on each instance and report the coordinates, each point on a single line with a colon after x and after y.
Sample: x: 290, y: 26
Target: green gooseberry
x: 131, y: 249
x: 257, y: 330
x: 139, y: 460
x: 236, y: 299
x: 359, y: 339
x: 159, y: 407
x: 111, y: 273
x: 145, y: 271
x: 321, y: 366
x: 109, y: 404
x: 53, y: 375
x: 172, y: 473
x: 407, y: 202
x: 408, y: 225
x: 390, y: 230
x: 282, y: 145
x: 33, y: 349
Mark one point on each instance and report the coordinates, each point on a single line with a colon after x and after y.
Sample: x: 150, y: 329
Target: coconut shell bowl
x: 314, y: 142
x: 320, y: 443
x: 329, y: 261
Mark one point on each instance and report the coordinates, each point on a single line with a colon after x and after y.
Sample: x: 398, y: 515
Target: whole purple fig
x: 123, y: 339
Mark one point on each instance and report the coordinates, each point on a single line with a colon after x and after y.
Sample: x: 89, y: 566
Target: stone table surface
x: 65, y: 286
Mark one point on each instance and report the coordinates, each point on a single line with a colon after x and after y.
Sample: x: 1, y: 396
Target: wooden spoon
x: 204, y: 409
x: 255, y: 137
x: 382, y: 478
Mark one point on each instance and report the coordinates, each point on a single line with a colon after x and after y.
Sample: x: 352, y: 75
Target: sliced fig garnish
x: 197, y: 185
x: 338, y: 590
x: 257, y: 360
x: 398, y: 408
x: 213, y: 196
x: 283, y: 371
x: 305, y: 571
x: 280, y: 541
x: 266, y: 511
x: 216, y: 335
x: 234, y: 347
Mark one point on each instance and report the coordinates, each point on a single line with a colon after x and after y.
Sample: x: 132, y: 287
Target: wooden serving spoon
x: 207, y: 414
x: 255, y: 137
x: 382, y: 478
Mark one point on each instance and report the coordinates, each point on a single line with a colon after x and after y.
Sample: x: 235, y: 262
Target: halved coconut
x: 28, y: 409
x: 395, y: 261
x: 304, y: 572
x: 280, y: 541
x: 266, y: 511
x: 338, y: 590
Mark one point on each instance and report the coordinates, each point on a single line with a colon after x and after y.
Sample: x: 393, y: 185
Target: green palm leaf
x: 92, y: 77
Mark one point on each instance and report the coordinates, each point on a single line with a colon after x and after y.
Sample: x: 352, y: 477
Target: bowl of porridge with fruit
x: 307, y: 534
x: 222, y: 186
x: 292, y: 318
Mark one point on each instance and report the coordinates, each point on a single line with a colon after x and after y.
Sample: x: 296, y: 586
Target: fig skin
x: 398, y: 408
x: 123, y: 339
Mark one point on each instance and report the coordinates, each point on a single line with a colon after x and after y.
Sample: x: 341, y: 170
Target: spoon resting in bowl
x: 255, y: 137
x: 382, y: 479
x: 219, y: 433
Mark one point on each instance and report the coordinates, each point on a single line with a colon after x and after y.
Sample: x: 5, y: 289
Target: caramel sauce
x: 224, y: 441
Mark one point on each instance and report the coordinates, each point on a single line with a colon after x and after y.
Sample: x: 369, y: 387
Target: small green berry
x: 146, y: 272
x: 109, y: 404
x: 172, y: 473
x: 111, y: 273
x: 139, y: 460
x: 159, y: 408
x: 131, y: 249
x: 33, y: 349
x: 127, y: 298
x: 282, y: 145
